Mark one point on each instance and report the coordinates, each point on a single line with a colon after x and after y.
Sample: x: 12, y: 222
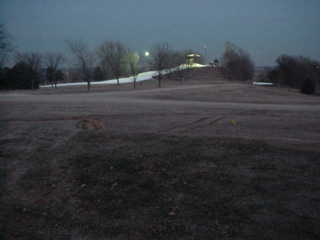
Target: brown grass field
x: 202, y: 159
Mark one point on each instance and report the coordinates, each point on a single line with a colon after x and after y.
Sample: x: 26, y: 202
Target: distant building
x: 192, y: 58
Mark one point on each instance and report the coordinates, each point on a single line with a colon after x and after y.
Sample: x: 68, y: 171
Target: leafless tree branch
x: 84, y: 57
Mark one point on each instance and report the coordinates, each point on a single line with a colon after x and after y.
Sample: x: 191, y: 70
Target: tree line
x: 115, y: 58
x: 112, y: 59
x: 296, y: 72
x: 109, y: 59
x: 290, y: 71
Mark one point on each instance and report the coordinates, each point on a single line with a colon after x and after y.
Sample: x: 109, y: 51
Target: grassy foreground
x: 101, y: 186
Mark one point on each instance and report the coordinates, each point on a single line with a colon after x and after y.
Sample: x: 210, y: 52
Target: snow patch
x: 141, y: 77
x: 262, y: 84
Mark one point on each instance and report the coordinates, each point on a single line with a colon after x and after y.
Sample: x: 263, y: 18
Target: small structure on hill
x: 192, y: 59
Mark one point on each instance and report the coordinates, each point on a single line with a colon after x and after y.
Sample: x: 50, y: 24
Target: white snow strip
x: 262, y: 84
x: 141, y: 77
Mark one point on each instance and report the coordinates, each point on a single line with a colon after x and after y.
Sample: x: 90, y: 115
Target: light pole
x: 145, y: 60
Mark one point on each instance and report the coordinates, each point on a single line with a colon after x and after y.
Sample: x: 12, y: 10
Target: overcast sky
x: 265, y: 28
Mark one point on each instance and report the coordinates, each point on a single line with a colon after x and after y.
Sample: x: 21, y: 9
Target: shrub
x: 308, y: 86
x: 21, y: 76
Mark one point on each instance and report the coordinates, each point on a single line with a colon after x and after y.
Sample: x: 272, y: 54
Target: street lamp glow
x: 147, y: 54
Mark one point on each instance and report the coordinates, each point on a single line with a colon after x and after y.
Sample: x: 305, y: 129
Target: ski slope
x: 141, y: 77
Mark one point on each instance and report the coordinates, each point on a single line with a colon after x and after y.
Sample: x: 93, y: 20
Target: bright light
x: 147, y: 54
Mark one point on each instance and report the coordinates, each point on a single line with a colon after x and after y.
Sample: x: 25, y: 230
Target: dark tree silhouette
x: 53, y: 61
x: 133, y: 62
x: 34, y: 62
x: 98, y: 74
x: 113, y: 54
x: 308, y: 86
x: 84, y: 59
x: 22, y: 76
x: 5, y: 46
x: 237, y: 63
x: 160, y: 59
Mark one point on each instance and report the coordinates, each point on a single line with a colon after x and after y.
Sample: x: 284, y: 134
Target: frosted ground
x: 206, y: 159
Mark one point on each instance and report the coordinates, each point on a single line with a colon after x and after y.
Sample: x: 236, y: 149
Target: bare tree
x: 84, y: 57
x: 113, y: 54
x: 133, y: 62
x: 53, y: 62
x: 34, y: 61
x: 176, y: 61
x: 237, y: 63
x: 5, y: 46
x: 160, y: 59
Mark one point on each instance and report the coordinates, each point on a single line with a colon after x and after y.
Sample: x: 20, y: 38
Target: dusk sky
x: 265, y: 28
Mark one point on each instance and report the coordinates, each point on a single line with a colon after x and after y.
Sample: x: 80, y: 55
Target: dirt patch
x: 90, y: 124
